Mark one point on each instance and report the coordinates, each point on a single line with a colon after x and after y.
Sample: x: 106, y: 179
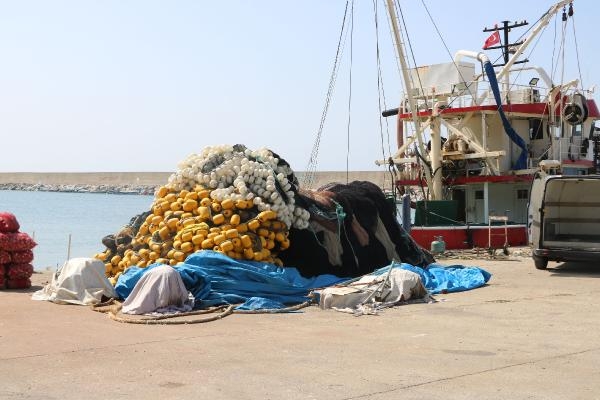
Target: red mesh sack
x: 18, y: 241
x: 8, y: 222
x: 21, y: 257
x: 2, y: 282
x: 5, y: 257
x: 18, y: 283
x: 19, y: 271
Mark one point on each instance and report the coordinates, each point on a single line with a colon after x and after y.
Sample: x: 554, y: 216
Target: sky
x: 138, y: 85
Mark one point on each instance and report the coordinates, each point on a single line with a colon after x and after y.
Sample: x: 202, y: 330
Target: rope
x: 380, y: 95
x: 276, y: 310
x: 113, y: 307
x: 339, y: 216
x: 577, y: 53
x: 309, y: 177
x: 446, y: 47
x: 412, y: 53
x: 349, y: 94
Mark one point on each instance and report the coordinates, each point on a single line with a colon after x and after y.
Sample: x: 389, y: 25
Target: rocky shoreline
x: 81, y: 188
x: 140, y: 183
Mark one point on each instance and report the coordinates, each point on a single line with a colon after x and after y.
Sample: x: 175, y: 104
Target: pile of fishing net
x: 353, y: 231
x: 16, y: 254
x: 247, y: 204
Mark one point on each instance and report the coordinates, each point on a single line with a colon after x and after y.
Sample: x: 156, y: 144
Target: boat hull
x: 468, y: 237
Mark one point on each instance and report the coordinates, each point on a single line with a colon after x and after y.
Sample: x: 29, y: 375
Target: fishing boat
x: 472, y: 133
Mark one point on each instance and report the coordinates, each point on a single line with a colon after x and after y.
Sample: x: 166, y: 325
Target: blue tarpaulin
x: 215, y: 279
x: 438, y: 278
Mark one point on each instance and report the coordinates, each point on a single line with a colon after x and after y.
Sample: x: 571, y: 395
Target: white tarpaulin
x: 160, y: 290
x: 79, y: 281
x: 374, y: 292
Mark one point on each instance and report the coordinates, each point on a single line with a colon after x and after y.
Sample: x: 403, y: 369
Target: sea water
x: 68, y: 225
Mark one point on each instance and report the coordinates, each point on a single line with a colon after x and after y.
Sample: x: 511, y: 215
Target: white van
x: 564, y: 218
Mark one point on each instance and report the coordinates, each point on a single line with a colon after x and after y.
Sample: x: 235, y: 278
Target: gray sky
x: 137, y: 85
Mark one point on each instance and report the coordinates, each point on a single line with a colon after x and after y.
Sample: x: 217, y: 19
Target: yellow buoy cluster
x: 183, y: 222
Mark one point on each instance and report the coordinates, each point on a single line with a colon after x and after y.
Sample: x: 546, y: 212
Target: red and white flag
x: 493, y: 40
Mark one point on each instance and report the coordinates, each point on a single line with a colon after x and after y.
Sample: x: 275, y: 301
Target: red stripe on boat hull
x: 456, y: 237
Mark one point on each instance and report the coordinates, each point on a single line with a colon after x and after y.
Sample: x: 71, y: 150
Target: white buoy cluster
x: 238, y: 173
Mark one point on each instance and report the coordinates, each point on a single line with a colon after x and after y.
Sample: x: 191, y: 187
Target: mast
x: 435, y: 188
x: 544, y: 20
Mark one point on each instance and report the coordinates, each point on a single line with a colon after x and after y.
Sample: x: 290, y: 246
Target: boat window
x: 479, y: 195
x: 522, y: 194
x: 536, y: 130
x: 576, y: 130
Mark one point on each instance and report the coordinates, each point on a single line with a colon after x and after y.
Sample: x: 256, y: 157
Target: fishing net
x: 353, y: 231
x: 248, y: 205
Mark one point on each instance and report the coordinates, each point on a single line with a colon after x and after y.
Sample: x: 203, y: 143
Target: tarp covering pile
x: 79, y: 281
x: 215, y: 279
x: 400, y: 282
x: 209, y: 279
x: 438, y: 278
x: 161, y: 290
x: 373, y: 292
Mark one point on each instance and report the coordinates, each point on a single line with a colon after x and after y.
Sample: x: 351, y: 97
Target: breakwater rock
x: 144, y: 182
x: 81, y: 188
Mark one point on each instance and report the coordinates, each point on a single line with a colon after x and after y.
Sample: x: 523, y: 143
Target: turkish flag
x: 493, y: 40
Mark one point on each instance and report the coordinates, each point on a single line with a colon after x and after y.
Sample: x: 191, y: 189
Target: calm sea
x: 52, y: 218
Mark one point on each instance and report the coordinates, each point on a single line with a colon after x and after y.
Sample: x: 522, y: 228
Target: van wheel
x: 540, y: 263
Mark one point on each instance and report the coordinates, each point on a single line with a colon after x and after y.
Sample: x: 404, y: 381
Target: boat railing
x: 412, y: 171
x: 570, y: 150
x: 518, y: 94
x: 465, y: 95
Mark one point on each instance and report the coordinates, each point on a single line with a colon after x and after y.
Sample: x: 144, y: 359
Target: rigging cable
x: 350, y: 93
x: 308, y: 178
x: 449, y: 54
x: 554, y: 50
x: 562, y: 76
x: 576, y: 47
x: 420, y: 146
x: 412, y: 53
x: 380, y: 95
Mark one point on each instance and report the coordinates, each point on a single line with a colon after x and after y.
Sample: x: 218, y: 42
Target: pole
x: 407, y: 82
x: 436, y: 156
x: 69, y: 248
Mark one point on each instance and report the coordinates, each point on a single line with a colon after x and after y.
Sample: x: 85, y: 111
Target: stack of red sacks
x: 16, y: 254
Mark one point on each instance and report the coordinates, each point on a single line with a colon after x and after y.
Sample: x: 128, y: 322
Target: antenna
x: 507, y: 48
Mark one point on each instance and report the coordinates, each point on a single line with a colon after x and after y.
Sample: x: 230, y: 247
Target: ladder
x: 502, y: 218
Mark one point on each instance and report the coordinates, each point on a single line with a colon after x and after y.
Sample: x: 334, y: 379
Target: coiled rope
x: 113, y: 308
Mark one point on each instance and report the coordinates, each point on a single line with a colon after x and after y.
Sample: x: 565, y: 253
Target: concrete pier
x: 528, y: 334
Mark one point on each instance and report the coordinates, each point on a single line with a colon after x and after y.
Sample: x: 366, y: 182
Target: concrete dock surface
x: 528, y: 334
